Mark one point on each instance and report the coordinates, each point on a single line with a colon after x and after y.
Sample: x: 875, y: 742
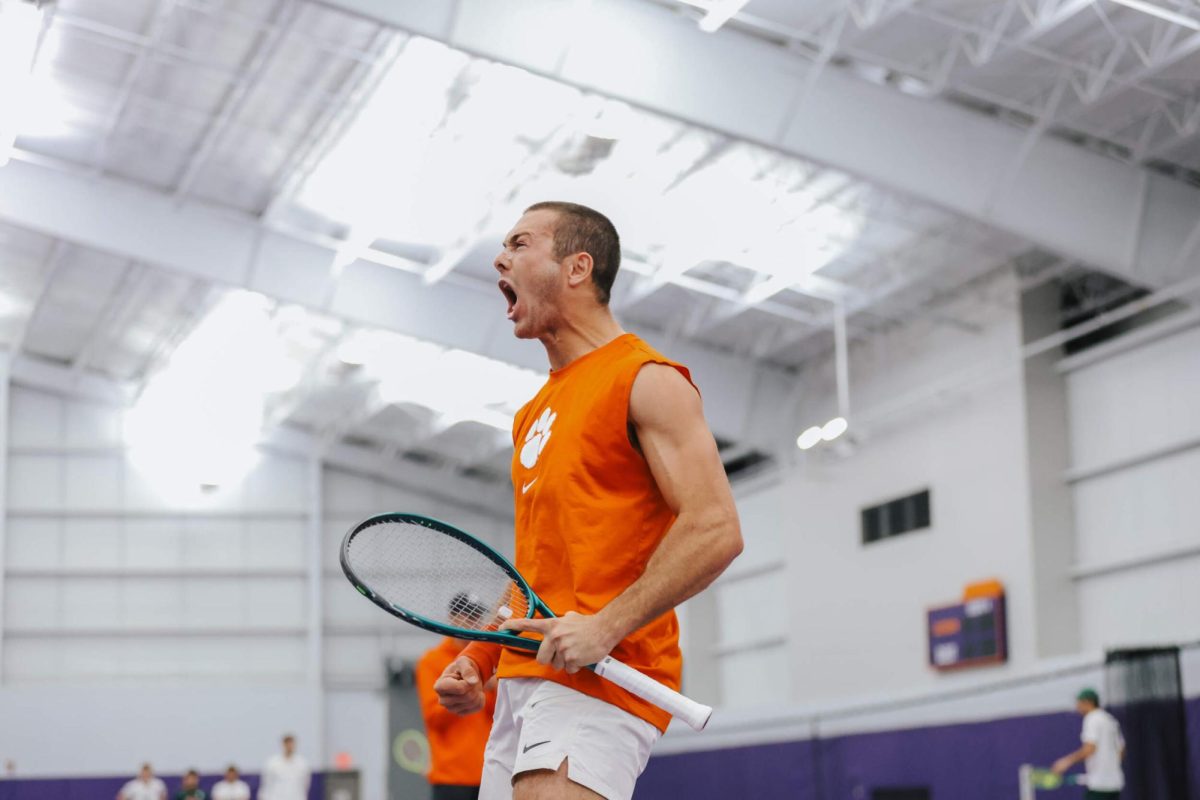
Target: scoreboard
x: 969, y: 633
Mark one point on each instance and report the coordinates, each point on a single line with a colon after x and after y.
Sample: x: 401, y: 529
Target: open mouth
x: 510, y: 295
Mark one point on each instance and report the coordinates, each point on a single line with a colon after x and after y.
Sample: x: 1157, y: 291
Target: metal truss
x: 55, y: 259
x: 355, y: 90
x: 284, y: 18
x: 148, y: 48
x: 1078, y: 86
x: 143, y: 57
x: 126, y: 294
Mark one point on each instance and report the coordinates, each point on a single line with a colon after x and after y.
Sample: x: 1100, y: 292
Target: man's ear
x: 579, y: 268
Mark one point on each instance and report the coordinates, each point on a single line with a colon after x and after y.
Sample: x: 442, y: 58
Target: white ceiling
x: 398, y: 150
x: 1112, y: 77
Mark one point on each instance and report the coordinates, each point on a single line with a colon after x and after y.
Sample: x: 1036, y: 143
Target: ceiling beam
x: 490, y: 498
x: 237, y: 250
x: 1064, y: 198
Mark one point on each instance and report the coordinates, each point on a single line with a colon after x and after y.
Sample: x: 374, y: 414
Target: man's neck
x: 577, y: 337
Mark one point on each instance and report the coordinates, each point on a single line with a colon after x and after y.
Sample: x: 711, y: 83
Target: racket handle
x: 650, y: 690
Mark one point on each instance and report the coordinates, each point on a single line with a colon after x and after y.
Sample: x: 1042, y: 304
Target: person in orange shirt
x: 622, y: 512
x: 455, y: 742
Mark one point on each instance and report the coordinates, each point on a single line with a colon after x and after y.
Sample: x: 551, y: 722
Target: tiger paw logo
x: 536, y: 439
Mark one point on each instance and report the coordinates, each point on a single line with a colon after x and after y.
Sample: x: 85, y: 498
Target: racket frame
x: 506, y: 638
x: 694, y: 714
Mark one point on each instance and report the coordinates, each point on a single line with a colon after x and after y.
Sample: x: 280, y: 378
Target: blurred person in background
x: 1102, y: 751
x: 191, y: 787
x: 144, y: 787
x: 286, y: 775
x: 456, y: 742
x: 231, y: 787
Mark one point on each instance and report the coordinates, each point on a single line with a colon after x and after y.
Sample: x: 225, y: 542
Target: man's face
x: 190, y: 781
x: 531, y: 278
x: 231, y: 775
x: 289, y: 746
x: 1083, y: 707
x: 146, y: 773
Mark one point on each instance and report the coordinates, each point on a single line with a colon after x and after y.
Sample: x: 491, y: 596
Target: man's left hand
x: 1061, y: 766
x: 570, y: 642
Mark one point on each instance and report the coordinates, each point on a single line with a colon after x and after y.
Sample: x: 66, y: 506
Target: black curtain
x: 1144, y: 691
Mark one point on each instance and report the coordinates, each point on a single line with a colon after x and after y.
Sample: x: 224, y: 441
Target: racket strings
x: 427, y: 572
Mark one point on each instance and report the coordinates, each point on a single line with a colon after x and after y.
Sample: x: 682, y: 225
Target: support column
x: 1051, y: 507
x: 5, y: 363
x: 316, y: 607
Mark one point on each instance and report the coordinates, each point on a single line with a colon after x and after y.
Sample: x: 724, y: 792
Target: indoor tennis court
x: 270, y: 441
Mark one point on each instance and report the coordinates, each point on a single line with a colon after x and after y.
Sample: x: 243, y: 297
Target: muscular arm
x: 669, y: 421
x: 667, y: 414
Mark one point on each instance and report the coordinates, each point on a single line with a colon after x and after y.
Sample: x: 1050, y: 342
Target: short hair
x: 231, y: 768
x: 580, y: 229
x: 191, y: 772
x: 287, y: 737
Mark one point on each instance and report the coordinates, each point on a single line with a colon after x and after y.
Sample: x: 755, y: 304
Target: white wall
x: 88, y: 730
x: 108, y: 580
x: 1135, y: 465
x: 949, y: 410
x: 178, y: 629
x: 936, y: 408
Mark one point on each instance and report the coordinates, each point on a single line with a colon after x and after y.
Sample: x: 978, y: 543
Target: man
x: 456, y: 742
x: 191, y: 787
x: 231, y: 787
x: 1102, y: 751
x: 144, y: 787
x: 286, y: 776
x: 623, y: 511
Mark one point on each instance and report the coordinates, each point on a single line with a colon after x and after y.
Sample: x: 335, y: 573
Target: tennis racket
x: 441, y: 579
x: 1048, y: 779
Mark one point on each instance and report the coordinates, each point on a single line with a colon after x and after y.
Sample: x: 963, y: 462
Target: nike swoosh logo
x: 529, y: 747
x: 525, y: 486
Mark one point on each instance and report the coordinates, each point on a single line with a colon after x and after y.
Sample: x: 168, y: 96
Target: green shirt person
x: 191, y: 787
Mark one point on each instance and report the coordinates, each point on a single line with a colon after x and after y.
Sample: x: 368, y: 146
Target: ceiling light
x: 834, y: 428
x: 199, y: 419
x: 1161, y: 13
x: 20, y: 23
x: 809, y: 438
x: 720, y: 13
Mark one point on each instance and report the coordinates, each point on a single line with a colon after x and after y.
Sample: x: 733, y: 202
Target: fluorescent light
x: 20, y: 23
x: 458, y: 386
x: 199, y: 420
x: 809, y: 438
x: 720, y: 13
x: 1160, y: 12
x: 834, y: 428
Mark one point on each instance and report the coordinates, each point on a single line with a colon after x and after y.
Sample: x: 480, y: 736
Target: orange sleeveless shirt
x: 589, y: 515
x: 456, y: 743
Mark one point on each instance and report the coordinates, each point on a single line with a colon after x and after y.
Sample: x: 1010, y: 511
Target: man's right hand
x: 460, y: 688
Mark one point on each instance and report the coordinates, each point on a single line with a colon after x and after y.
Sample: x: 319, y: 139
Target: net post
x: 1025, y: 782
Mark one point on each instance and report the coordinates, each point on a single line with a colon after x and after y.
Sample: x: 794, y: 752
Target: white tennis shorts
x: 538, y: 723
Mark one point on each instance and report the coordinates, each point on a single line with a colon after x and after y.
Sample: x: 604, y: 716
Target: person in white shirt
x: 1102, y: 751
x: 286, y: 776
x: 231, y: 787
x: 144, y: 787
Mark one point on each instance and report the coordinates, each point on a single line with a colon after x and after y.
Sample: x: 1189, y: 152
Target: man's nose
x: 501, y: 262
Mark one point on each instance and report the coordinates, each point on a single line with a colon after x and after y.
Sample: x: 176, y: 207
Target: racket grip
x: 650, y: 690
